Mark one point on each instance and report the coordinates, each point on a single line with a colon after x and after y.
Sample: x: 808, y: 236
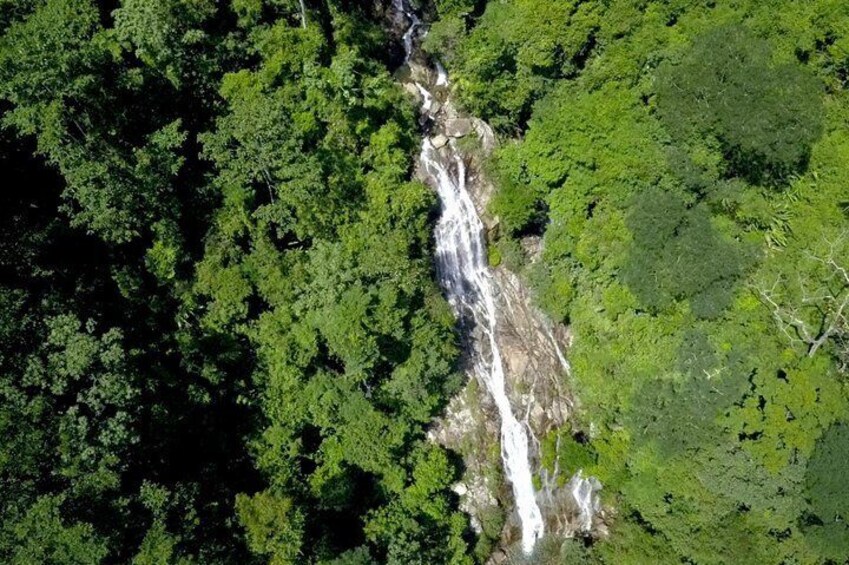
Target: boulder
x: 419, y: 73
x: 403, y: 74
x: 532, y: 246
x: 458, y: 127
x: 439, y: 141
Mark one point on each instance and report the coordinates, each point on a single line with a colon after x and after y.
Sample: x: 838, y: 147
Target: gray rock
x: 486, y: 135
x: 458, y: 127
x: 537, y: 417
x: 411, y: 88
x: 439, y: 141
x: 419, y: 73
x: 532, y: 246
x: 402, y: 74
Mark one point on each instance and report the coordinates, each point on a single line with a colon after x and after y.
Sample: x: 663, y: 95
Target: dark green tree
x: 677, y: 254
x: 319, y: 256
x: 825, y: 480
x: 765, y: 115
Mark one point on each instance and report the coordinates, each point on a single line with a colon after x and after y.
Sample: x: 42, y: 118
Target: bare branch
x: 829, y: 302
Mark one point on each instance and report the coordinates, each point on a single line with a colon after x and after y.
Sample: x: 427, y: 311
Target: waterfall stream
x: 468, y: 284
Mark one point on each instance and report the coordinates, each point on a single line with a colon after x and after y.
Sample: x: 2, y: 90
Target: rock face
x: 469, y: 427
x: 574, y: 508
x: 532, y: 346
x: 538, y: 377
x: 537, y: 370
x: 457, y: 127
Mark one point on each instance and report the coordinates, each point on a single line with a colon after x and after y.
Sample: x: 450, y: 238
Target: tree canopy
x: 221, y: 334
x: 680, y: 167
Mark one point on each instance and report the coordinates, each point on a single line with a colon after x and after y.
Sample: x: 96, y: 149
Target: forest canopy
x: 221, y: 340
x: 682, y: 166
x: 221, y: 335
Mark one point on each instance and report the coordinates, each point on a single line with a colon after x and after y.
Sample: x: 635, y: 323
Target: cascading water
x: 465, y: 276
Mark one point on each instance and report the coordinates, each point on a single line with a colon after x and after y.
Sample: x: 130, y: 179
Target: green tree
x: 274, y: 526
x: 677, y: 254
x: 55, y: 68
x: 319, y: 256
x: 675, y: 427
x: 168, y: 35
x: 652, y: 139
x: 95, y: 396
x: 516, y: 51
x: 42, y: 536
x: 765, y: 115
x: 825, y: 478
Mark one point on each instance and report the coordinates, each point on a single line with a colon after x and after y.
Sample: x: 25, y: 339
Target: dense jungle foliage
x: 685, y: 164
x: 220, y: 336
x: 221, y: 340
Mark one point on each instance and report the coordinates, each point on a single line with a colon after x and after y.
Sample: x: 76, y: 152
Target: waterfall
x: 464, y: 275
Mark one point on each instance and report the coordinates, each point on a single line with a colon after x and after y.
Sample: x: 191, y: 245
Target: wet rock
x: 537, y: 416
x: 402, y: 74
x: 497, y: 558
x: 516, y: 360
x: 574, y: 509
x: 458, y: 127
x: 439, y: 141
x: 450, y: 111
x: 470, y: 427
x: 491, y: 224
x: 584, y: 492
x: 536, y: 371
x: 481, y: 191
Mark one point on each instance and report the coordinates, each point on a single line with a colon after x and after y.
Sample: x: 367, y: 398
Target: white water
x: 441, y: 75
x: 402, y: 9
x: 464, y: 274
